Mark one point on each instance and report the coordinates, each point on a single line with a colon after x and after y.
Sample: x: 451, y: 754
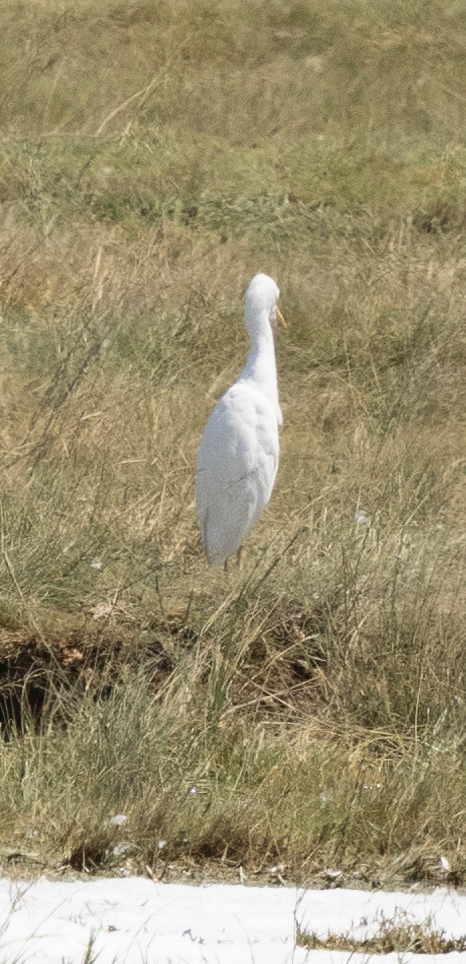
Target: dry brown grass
x: 154, y: 156
x: 399, y: 935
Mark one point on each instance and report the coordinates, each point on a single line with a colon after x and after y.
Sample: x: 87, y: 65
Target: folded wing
x: 236, y: 468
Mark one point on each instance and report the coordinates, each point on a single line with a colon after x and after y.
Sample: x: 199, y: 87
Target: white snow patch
x: 137, y: 921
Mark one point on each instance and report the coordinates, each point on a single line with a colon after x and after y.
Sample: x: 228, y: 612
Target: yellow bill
x: 280, y: 317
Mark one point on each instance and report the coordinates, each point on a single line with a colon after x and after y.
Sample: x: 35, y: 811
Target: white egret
x: 238, y: 454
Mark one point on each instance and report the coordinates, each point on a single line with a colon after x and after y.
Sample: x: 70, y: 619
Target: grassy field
x: 308, y: 712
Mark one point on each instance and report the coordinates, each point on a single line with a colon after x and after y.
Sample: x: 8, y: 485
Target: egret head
x: 261, y: 299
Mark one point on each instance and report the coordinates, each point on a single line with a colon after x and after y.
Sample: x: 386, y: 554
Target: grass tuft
x: 398, y: 935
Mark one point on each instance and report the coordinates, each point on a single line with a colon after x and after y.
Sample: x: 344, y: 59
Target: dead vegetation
x: 399, y: 935
x: 153, y: 157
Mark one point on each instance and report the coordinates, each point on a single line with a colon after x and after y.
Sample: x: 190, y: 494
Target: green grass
x: 153, y: 157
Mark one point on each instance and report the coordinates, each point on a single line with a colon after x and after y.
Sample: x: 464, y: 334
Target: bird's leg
x: 238, y: 555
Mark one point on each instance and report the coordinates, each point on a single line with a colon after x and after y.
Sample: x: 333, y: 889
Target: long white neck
x: 260, y: 366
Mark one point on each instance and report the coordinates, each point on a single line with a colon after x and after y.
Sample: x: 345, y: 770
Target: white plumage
x: 238, y: 455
